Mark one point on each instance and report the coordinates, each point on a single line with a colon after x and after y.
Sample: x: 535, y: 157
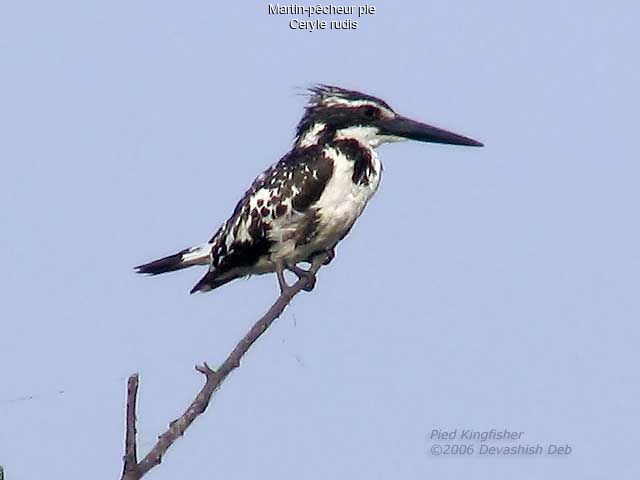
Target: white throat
x: 368, y: 136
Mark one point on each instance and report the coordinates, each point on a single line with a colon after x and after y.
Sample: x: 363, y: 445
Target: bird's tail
x: 189, y: 257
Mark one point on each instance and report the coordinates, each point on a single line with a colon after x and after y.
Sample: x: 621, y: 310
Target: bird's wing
x: 275, y: 204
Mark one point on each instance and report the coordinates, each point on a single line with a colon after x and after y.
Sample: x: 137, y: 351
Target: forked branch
x: 134, y: 470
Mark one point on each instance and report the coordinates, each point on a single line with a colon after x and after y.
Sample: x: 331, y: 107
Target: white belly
x: 339, y: 206
x: 343, y: 201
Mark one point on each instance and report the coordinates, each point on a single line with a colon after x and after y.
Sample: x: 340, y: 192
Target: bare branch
x: 130, y: 470
x: 214, y: 378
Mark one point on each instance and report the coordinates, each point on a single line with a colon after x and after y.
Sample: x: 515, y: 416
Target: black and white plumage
x: 307, y: 202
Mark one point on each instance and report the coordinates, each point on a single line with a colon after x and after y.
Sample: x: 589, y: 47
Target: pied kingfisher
x: 300, y: 208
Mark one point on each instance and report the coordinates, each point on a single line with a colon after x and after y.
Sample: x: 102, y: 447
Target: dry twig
x: 134, y: 470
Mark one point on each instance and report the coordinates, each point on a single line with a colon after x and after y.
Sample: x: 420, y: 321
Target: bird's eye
x: 371, y: 113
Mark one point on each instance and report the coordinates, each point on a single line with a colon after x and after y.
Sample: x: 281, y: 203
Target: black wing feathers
x: 300, y: 176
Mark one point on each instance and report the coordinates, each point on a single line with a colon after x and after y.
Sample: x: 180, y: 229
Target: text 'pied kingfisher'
x: 300, y: 208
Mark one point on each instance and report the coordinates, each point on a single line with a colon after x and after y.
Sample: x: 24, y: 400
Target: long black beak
x: 400, y: 126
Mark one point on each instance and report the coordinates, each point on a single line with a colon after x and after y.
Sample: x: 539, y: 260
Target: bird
x: 301, y: 207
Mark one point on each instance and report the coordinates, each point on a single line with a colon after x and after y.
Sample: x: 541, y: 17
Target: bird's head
x: 335, y: 113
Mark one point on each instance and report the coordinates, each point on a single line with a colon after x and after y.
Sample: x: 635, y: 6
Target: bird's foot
x: 282, y: 282
x: 301, y: 273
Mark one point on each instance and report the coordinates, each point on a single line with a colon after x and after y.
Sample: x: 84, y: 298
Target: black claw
x: 311, y: 283
x: 331, y: 254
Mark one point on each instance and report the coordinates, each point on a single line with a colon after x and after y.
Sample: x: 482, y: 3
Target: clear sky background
x: 482, y: 288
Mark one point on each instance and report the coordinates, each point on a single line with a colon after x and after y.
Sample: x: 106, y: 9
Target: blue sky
x: 482, y: 288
